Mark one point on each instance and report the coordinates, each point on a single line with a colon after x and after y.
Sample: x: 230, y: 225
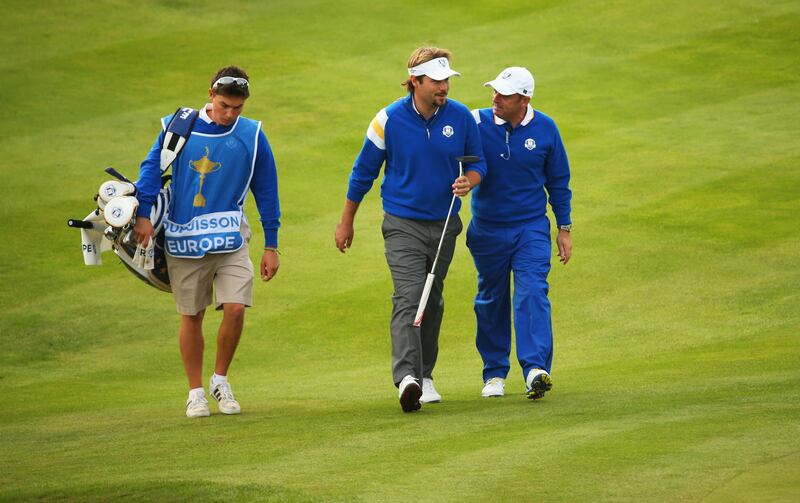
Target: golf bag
x: 110, y: 226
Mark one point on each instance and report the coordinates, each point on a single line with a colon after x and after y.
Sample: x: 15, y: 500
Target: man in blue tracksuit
x: 418, y: 138
x: 206, y: 232
x: 510, y: 232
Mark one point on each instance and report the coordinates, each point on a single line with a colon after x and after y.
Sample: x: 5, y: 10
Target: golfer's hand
x: 143, y: 229
x: 344, y: 235
x: 269, y: 264
x: 461, y: 186
x: 564, y: 242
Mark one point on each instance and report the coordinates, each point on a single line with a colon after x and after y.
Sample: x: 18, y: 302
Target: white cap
x: 513, y: 80
x: 437, y: 69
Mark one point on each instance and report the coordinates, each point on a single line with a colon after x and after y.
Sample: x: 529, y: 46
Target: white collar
x: 204, y: 113
x: 528, y: 118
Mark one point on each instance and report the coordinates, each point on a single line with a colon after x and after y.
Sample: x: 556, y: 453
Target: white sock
x: 196, y: 393
x: 217, y: 379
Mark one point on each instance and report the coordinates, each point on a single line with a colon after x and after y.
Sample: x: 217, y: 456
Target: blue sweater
x: 520, y: 169
x: 420, y: 158
x: 263, y: 184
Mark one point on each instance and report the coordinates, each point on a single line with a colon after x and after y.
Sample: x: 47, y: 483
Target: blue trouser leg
x: 491, y: 253
x: 532, y: 324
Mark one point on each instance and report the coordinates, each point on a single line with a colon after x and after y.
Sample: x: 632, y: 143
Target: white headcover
x: 115, y: 188
x: 119, y: 211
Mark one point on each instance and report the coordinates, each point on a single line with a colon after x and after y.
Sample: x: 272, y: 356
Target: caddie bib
x: 210, y: 180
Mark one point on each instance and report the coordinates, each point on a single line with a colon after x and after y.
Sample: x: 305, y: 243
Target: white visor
x: 437, y: 69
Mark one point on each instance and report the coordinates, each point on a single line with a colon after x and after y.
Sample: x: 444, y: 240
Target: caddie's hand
x: 270, y: 262
x: 344, y: 235
x: 564, y: 242
x: 143, y: 229
x: 461, y: 186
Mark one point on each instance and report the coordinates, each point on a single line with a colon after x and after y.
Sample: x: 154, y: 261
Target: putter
x: 426, y: 291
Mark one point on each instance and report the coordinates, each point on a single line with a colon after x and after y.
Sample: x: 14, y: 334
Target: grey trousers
x: 410, y: 247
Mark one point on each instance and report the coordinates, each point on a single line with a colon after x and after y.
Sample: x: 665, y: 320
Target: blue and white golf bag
x: 110, y: 226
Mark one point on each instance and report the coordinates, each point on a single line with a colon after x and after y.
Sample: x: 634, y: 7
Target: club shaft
x: 446, y: 221
x: 116, y: 174
x: 429, y: 279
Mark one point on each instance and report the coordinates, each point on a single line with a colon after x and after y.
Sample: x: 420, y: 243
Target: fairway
x: 676, y: 323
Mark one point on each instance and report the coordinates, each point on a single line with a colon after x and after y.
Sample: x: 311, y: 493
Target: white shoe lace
x: 226, y: 392
x: 198, y: 401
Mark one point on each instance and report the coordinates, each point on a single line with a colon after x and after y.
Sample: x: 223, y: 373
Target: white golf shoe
x: 197, y: 406
x: 538, y: 382
x: 409, y: 392
x: 429, y: 393
x: 223, y: 395
x: 496, y: 386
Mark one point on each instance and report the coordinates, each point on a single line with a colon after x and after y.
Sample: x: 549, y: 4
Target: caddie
x: 206, y: 232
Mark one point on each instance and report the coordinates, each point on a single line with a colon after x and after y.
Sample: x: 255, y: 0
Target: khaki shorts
x: 230, y: 274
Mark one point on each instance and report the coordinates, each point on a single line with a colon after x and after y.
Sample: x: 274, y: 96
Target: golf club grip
x: 423, y: 301
x: 80, y: 224
x: 116, y: 174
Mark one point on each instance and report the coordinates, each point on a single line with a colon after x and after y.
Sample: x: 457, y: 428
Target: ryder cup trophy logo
x: 530, y: 144
x: 448, y: 131
x: 204, y: 166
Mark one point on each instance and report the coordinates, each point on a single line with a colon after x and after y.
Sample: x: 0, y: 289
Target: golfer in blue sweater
x: 510, y: 232
x: 418, y: 139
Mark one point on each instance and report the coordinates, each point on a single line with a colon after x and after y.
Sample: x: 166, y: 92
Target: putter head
x: 468, y: 159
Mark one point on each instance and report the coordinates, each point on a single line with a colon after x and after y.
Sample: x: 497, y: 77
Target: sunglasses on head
x: 223, y: 81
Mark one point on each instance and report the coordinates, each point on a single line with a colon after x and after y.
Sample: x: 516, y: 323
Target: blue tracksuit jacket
x: 522, y: 164
x: 420, y: 158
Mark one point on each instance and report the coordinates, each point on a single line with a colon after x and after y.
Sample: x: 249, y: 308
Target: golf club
x: 426, y: 291
x: 116, y: 174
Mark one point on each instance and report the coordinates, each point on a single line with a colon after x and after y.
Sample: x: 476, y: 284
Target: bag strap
x: 178, y: 131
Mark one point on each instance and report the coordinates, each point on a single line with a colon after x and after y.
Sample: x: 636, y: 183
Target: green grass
x: 677, y: 365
